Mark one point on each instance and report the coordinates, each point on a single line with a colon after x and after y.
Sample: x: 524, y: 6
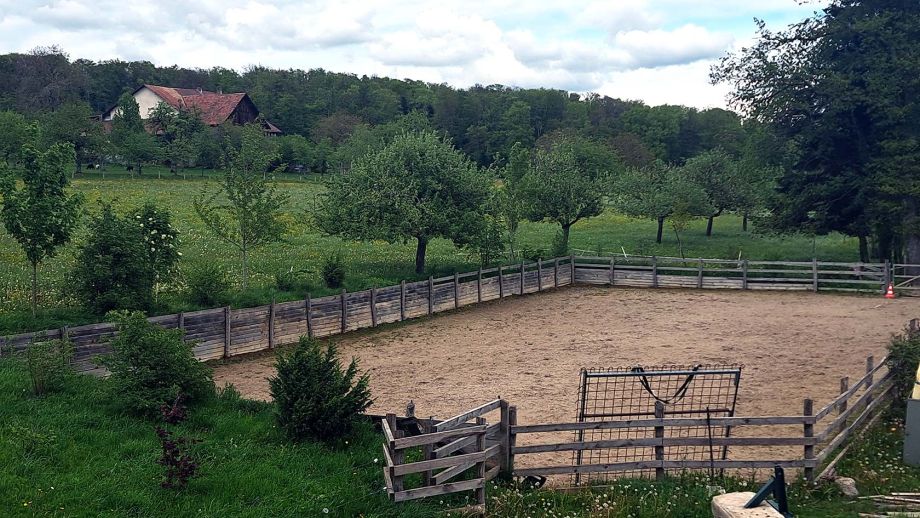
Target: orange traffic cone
x: 890, y: 293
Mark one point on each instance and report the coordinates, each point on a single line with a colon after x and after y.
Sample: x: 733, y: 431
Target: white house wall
x: 146, y: 101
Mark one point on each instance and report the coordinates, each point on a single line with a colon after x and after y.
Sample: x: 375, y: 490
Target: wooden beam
x: 808, y: 430
x: 226, y: 331
x: 374, y: 307
x: 457, y: 420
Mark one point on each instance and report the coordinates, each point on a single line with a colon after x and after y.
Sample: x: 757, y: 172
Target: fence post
x: 870, y: 365
x: 374, y: 307
x: 309, y: 316
x: 271, y: 324
x: 659, y: 434
x: 398, y: 455
x: 844, y: 386
x: 654, y: 271
x: 430, y: 294
x: 522, y: 278
x: 539, y: 274
x: 504, y: 432
x: 699, y: 275
x: 512, y: 437
x: 556, y: 272
x: 456, y: 290
x: 402, y: 301
x: 572, y: 278
x: 480, y: 492
x: 65, y: 335
x: 226, y: 331
x: 501, y: 283
x: 612, y: 271
x: 814, y: 274
x: 344, y: 299
x: 744, y: 275
x: 808, y: 430
x: 479, y: 285
x: 180, y: 320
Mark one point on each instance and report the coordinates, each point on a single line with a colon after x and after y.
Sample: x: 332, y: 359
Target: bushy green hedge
x: 151, y: 365
x: 903, y: 359
x: 315, y: 398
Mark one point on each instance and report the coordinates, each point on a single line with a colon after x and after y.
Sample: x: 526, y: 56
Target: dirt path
x: 530, y: 350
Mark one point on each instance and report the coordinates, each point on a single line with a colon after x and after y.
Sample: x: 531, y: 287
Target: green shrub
x: 207, y: 284
x: 150, y: 366
x: 113, y: 267
x: 292, y: 280
x: 49, y: 364
x: 333, y: 271
x: 315, y: 398
x: 533, y: 254
x: 903, y: 360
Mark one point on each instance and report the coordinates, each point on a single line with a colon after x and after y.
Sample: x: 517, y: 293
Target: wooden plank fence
x: 467, y: 444
x: 456, y: 455
x: 841, y: 418
x: 224, y: 332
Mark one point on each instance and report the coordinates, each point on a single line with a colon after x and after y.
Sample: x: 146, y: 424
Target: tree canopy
x: 417, y: 187
x: 843, y: 87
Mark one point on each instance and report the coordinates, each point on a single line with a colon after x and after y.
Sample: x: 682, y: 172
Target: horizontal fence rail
x: 856, y: 406
x: 224, y: 332
x: 455, y: 454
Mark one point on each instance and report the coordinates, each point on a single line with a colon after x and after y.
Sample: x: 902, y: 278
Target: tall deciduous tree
x: 557, y: 188
x: 416, y: 187
x: 843, y: 87
x: 129, y: 137
x: 73, y: 123
x: 660, y: 192
x: 720, y: 178
x: 178, y: 132
x: 41, y: 215
x: 245, y: 211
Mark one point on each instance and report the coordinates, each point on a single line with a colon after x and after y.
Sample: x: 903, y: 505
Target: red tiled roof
x: 213, y: 108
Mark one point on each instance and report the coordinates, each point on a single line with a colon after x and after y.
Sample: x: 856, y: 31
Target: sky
x: 657, y: 51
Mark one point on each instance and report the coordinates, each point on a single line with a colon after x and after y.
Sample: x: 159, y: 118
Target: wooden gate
x: 458, y: 454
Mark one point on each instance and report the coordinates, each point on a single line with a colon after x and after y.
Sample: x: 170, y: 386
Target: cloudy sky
x: 658, y: 51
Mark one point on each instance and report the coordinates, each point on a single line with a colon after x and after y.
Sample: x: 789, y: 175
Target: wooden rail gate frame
x: 455, y: 446
x: 468, y: 444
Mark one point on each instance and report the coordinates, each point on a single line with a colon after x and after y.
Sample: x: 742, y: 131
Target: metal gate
x: 637, y: 393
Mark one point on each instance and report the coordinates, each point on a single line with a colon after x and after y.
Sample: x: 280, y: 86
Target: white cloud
x: 661, y: 48
x: 655, y: 50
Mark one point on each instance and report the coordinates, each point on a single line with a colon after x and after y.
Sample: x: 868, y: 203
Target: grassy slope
x: 70, y: 454
x: 369, y: 263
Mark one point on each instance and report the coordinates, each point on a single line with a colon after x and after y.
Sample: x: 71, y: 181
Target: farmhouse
x: 214, y: 108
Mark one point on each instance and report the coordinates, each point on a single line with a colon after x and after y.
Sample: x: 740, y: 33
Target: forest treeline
x: 326, y: 108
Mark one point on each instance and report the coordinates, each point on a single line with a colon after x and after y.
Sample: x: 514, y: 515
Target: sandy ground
x: 530, y: 350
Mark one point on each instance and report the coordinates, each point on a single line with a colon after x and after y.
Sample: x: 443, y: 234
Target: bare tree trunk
x: 744, y: 222
x: 660, y: 228
x: 34, y: 288
x: 565, y: 237
x: 245, y: 257
x: 912, y: 236
x: 709, y: 225
x: 863, y: 249
x: 420, y: 250
x: 680, y: 246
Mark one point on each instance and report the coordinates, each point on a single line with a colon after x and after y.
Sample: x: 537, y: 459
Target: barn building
x: 214, y: 108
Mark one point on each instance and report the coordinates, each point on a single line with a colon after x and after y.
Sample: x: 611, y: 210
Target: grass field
x: 369, y: 263
x: 72, y: 454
